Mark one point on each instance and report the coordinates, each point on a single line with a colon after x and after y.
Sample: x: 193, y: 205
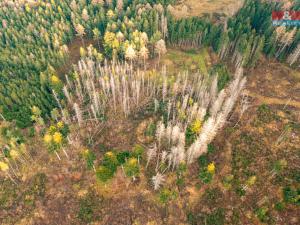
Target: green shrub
x: 85, y: 213
x: 211, y: 148
x: 279, y: 206
x: 137, y: 151
x: 110, y: 161
x: 190, y: 136
x: 180, y: 181
x: 291, y: 196
x: 212, y: 195
x: 295, y: 175
x: 191, y: 218
x: 11, y: 131
x: 227, y: 181
x: 90, y: 157
x: 217, y: 217
x: 65, y: 130
x: 180, y: 174
x: 265, y: 114
x: 203, y: 161
x: 181, y: 169
x: 88, y: 207
x: 150, y: 131
x: 207, y: 115
x: 131, y: 167
x: 166, y: 195
x: 262, y: 214
x: 235, y: 218
x: 279, y: 165
x: 122, y: 156
x: 8, y: 193
x: 104, y: 173
x: 205, y: 176
x: 31, y: 132
x: 240, y: 191
x: 39, y: 185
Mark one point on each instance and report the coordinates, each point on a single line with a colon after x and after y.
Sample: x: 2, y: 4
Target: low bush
x: 104, y: 173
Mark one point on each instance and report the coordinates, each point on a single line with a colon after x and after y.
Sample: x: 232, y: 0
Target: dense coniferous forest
x: 244, y: 37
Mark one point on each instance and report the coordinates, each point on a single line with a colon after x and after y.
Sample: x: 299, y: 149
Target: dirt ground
x: 74, y: 53
x: 247, y: 187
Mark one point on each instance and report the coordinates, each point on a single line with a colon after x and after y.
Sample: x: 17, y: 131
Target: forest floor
x: 256, y: 158
x: 74, y: 53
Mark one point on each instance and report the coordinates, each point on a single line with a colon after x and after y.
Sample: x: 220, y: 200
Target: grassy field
x: 189, y: 8
x: 192, y: 60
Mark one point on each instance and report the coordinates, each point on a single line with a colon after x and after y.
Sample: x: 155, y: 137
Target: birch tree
x: 80, y: 32
x: 160, y: 48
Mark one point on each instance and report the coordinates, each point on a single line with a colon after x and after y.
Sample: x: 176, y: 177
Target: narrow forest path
x: 260, y: 99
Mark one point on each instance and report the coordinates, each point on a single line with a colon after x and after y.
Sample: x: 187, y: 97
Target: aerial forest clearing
x: 129, y: 112
x: 183, y: 9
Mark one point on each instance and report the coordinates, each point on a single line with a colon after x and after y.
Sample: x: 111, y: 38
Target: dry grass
x: 187, y: 8
x: 186, y: 60
x: 296, y: 74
